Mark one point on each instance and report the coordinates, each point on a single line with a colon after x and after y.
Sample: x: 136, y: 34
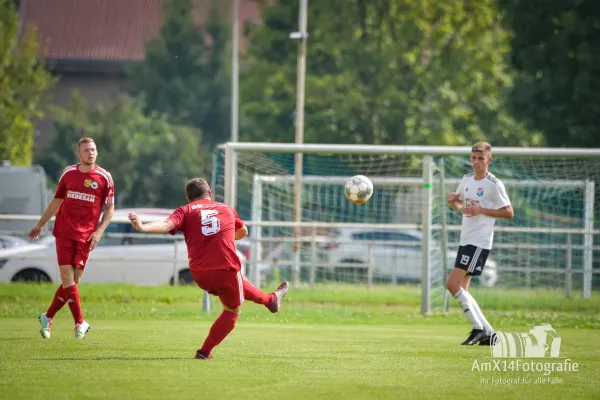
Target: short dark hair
x: 481, y: 147
x: 85, y: 140
x: 196, y: 188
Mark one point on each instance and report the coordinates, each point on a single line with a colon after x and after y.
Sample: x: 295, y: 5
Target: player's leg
x: 220, y: 329
x: 477, y: 267
x: 78, y: 275
x: 80, y: 261
x: 256, y: 295
x: 458, y: 280
x: 64, y: 255
x: 272, y: 301
x: 228, y: 285
x: 470, y: 261
x: 455, y: 282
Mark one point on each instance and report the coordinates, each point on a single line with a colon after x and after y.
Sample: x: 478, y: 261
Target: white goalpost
x: 549, y: 246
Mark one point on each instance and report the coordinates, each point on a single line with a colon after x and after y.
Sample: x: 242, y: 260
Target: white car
x: 9, y: 242
x: 398, y: 260
x: 278, y: 252
x: 142, y: 259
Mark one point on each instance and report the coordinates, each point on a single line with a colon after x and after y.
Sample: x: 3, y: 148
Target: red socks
x: 57, y: 303
x: 256, y: 295
x: 66, y: 295
x: 72, y: 296
x: 219, y: 331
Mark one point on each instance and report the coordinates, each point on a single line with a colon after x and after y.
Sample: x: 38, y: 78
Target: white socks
x: 473, y: 312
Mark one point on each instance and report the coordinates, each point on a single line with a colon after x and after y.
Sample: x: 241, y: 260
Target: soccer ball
x: 358, y: 189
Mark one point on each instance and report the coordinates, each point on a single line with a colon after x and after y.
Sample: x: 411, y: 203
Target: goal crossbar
x: 416, y: 150
x: 414, y: 181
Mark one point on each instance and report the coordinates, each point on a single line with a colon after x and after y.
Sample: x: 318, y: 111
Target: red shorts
x: 72, y: 252
x: 228, y: 284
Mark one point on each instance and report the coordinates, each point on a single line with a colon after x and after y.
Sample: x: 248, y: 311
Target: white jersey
x: 490, y: 193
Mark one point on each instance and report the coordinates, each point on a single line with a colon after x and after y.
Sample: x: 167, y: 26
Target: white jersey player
x: 482, y: 198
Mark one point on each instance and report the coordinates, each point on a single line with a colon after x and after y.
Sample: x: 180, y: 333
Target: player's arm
x: 503, y: 203
x: 51, y: 210
x: 109, y: 211
x: 454, y: 199
x: 53, y: 206
x: 107, y: 214
x: 504, y: 212
x: 164, y: 226
x: 455, y: 202
x: 241, y: 232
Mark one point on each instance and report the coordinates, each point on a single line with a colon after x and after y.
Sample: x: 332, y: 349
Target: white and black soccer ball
x: 358, y: 189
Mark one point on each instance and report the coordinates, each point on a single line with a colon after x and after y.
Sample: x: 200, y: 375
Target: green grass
x: 339, y: 304
x: 336, y: 342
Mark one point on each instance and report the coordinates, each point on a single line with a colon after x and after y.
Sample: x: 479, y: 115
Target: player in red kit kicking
x: 210, y: 230
x: 83, y: 191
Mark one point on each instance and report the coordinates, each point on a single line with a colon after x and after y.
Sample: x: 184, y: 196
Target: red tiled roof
x: 115, y: 30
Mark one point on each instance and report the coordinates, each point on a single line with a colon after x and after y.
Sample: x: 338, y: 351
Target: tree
x: 555, y: 47
x: 150, y: 160
x: 184, y: 74
x: 23, y: 82
x: 384, y: 72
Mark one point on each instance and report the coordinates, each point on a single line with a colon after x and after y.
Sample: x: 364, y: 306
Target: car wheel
x: 352, y: 275
x: 31, y: 275
x: 185, y: 277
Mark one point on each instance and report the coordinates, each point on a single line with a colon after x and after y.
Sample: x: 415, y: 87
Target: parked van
x: 23, y: 191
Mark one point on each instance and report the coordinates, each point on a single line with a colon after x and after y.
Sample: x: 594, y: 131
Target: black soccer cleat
x: 475, y: 336
x: 200, y: 355
x: 486, y: 341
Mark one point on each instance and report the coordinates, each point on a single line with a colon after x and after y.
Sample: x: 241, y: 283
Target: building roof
x: 106, y: 30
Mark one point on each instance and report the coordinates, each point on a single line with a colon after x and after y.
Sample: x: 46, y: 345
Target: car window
x: 361, y: 236
x: 403, y: 237
x: 374, y: 235
x: 136, y: 241
x: 112, y: 241
x: 386, y: 236
x: 123, y: 228
x: 334, y: 233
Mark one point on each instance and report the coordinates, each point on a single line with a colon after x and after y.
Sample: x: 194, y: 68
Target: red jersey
x: 84, y: 195
x: 209, y: 231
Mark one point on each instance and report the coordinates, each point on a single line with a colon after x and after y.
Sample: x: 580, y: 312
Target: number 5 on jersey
x: 210, y: 222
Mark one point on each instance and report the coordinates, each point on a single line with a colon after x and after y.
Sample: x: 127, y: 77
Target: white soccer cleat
x: 81, y: 329
x: 279, y: 295
x: 46, y: 326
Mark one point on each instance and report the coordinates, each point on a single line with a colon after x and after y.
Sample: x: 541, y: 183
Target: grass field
x: 341, y: 342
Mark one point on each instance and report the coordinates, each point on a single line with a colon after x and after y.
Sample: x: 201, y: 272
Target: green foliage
x: 23, y: 82
x: 384, y: 72
x: 149, y: 159
x: 184, y: 74
x: 555, y: 46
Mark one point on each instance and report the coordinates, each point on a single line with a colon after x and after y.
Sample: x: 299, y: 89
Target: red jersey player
x: 210, y: 230
x: 83, y: 191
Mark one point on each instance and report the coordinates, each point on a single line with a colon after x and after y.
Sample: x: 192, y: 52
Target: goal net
x: 397, y: 244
